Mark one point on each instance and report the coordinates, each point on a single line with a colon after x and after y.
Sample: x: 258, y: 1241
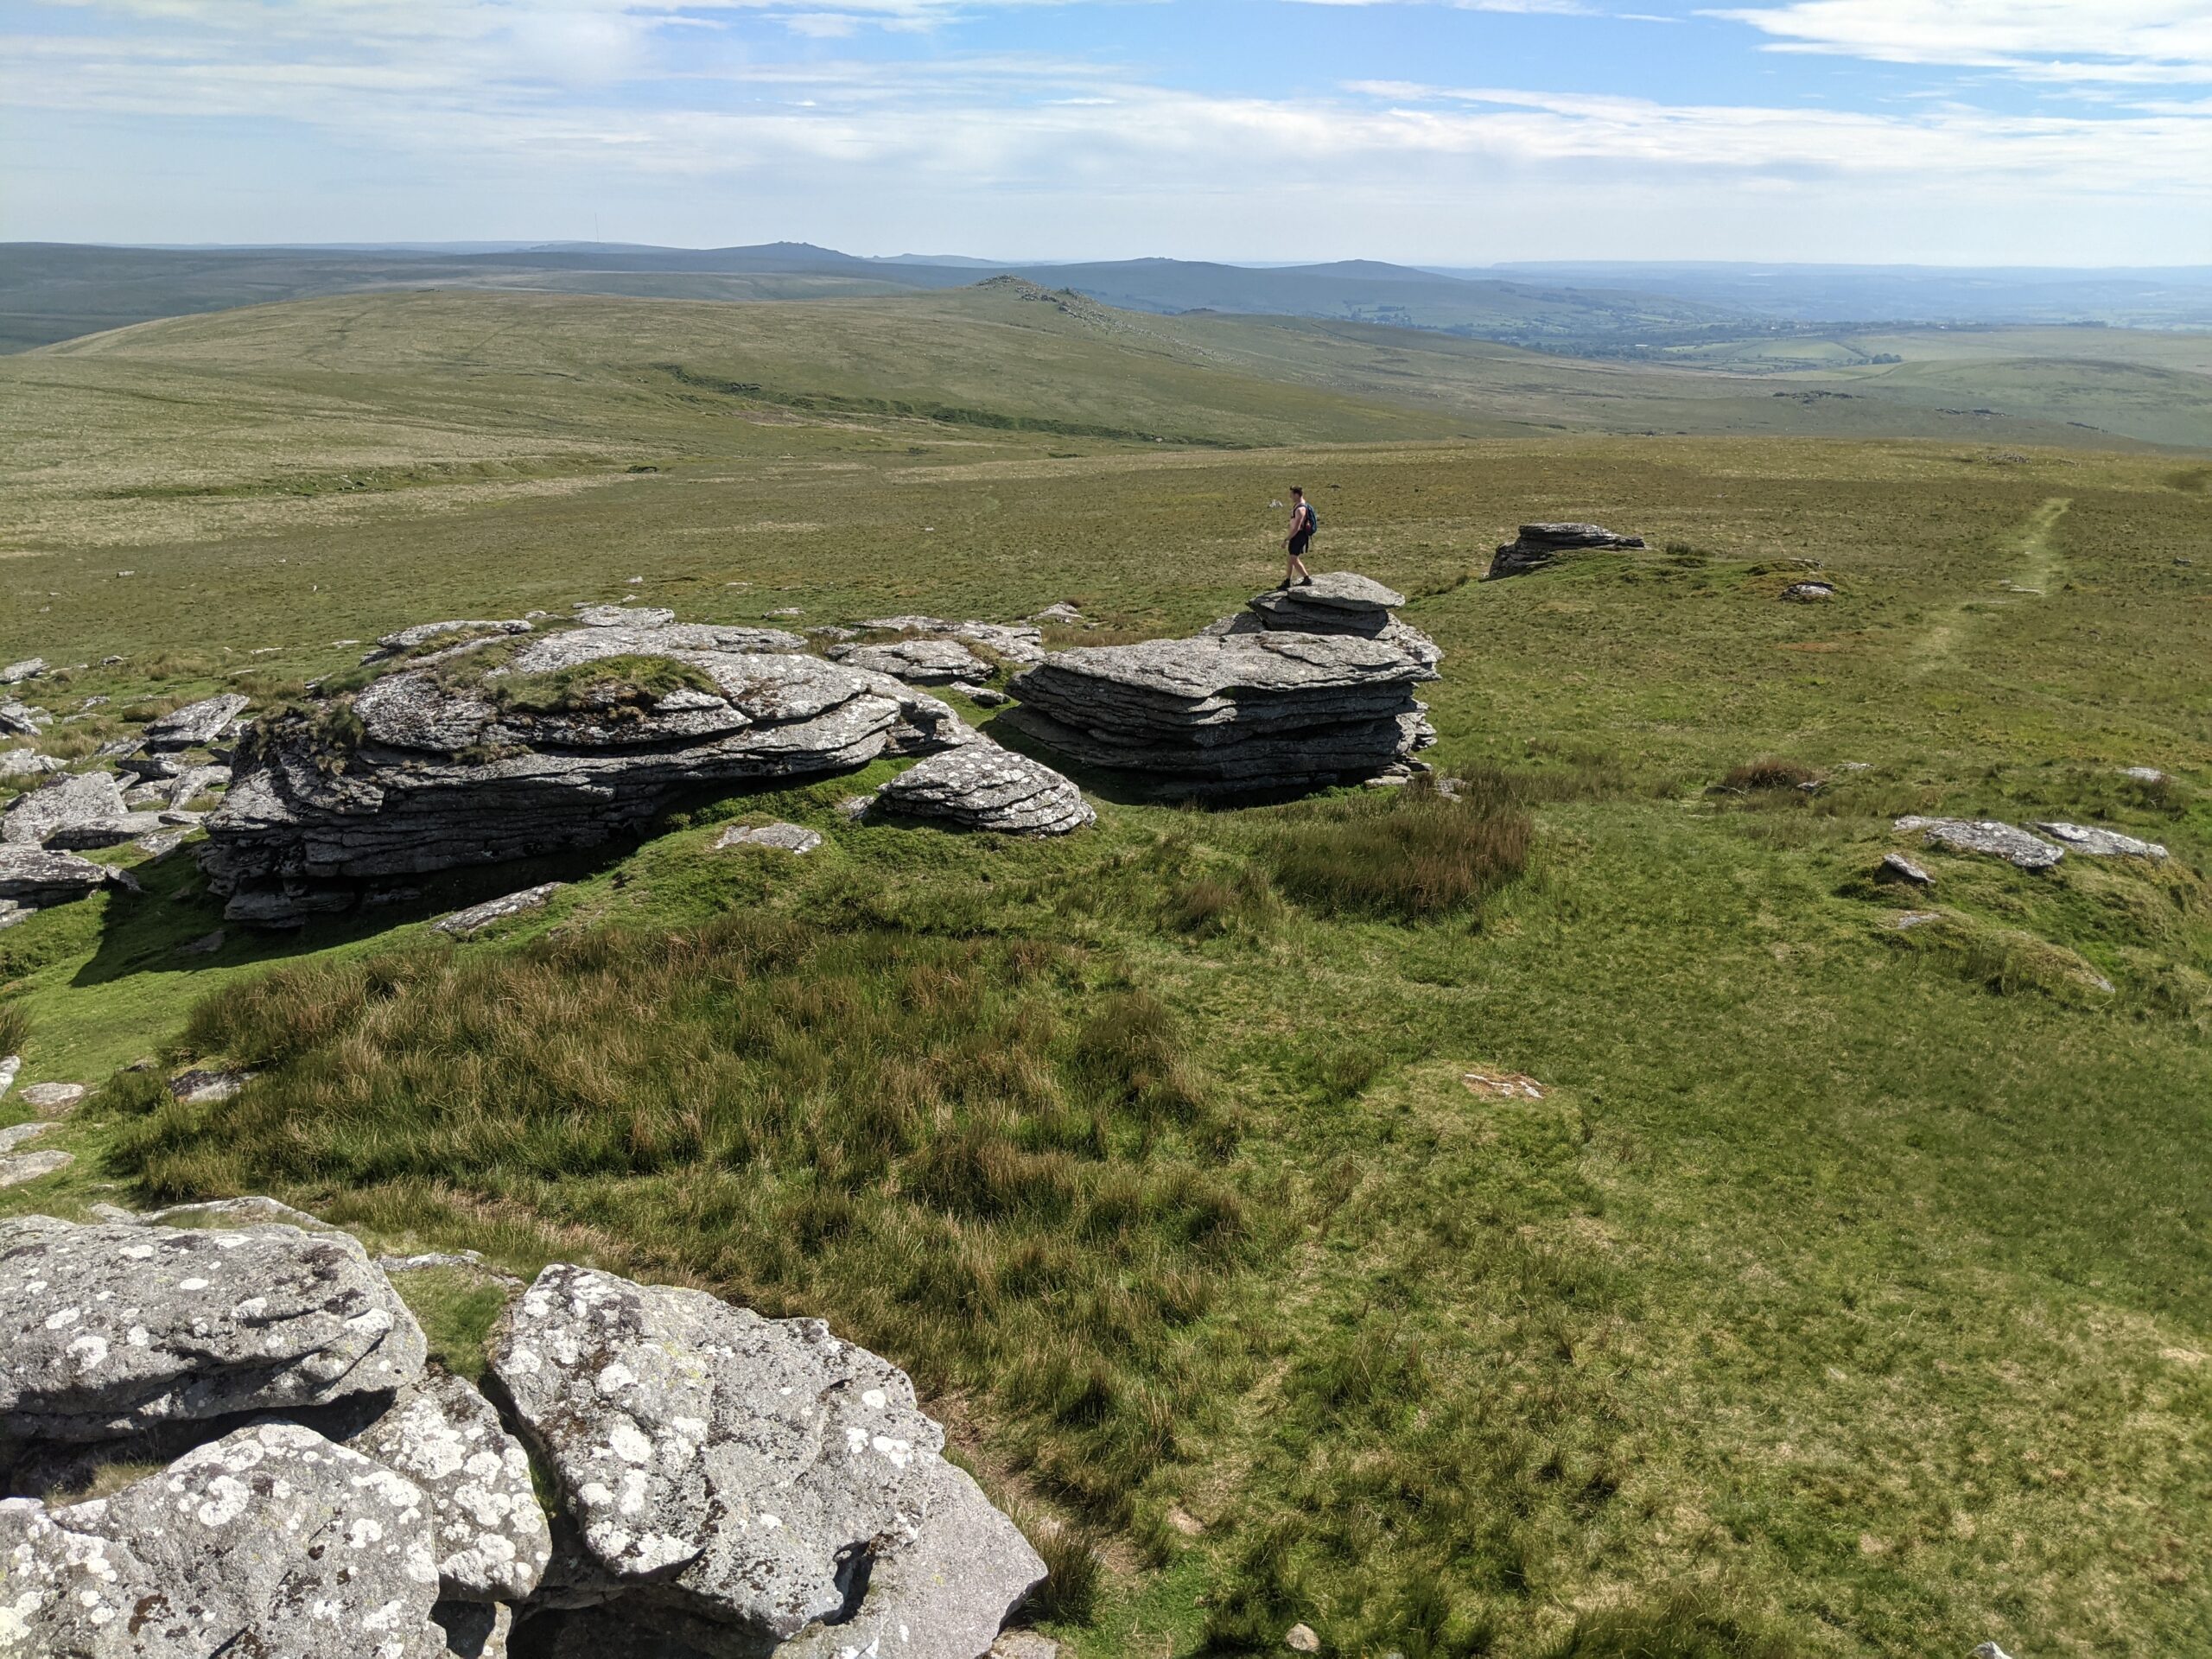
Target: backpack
x: 1313, y: 519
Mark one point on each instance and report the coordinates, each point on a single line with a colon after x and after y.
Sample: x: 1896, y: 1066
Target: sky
x: 1439, y: 132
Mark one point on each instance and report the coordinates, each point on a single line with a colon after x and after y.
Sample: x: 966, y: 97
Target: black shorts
x: 1298, y: 544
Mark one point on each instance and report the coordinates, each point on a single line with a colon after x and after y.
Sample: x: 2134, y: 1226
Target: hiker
x: 1303, y: 524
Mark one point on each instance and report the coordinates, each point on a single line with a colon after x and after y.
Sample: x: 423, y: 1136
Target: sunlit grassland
x: 1846, y: 1293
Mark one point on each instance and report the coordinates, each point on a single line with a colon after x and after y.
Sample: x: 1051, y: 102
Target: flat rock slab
x: 54, y: 1099
x: 783, y: 837
x: 2094, y: 842
x: 1538, y: 545
x: 196, y: 722
x: 1340, y: 590
x: 477, y: 917
x: 31, y: 875
x: 270, y: 1540
x: 1895, y: 867
x: 982, y: 786
x: 115, y: 1328
x: 30, y: 668
x: 21, y: 720
x: 917, y: 662
x: 1988, y: 837
x: 80, y: 799
x: 29, y: 763
x: 16, y: 1168
x: 1017, y: 642
x: 17, y: 1134
x: 753, y: 1475
x: 91, y: 833
x: 623, y: 616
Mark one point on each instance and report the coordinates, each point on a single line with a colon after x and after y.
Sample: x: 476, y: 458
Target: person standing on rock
x: 1303, y: 524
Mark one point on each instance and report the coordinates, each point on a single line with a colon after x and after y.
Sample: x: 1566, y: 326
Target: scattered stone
x: 187, y: 783
x: 34, y: 877
x: 9, y: 1065
x: 786, y: 837
x: 1060, y: 611
x: 1502, y: 1085
x: 21, y: 1167
x: 982, y: 786
x: 2094, y: 842
x: 1895, y: 867
x: 270, y: 1540
x: 54, y: 1099
x: 918, y: 662
x: 17, y: 1134
x: 199, y: 1086
x: 88, y: 835
x: 474, y: 919
x: 492, y: 1539
x: 29, y: 763
x: 1990, y: 1650
x: 623, y: 616
x: 788, y: 610
x: 1540, y: 545
x: 206, y: 945
x: 430, y: 1260
x: 21, y: 720
x: 1806, y: 593
x: 832, y: 633
x: 2143, y: 774
x: 162, y: 842
x: 426, y: 771
x: 1259, y: 700
x: 196, y: 724
x: 112, y: 1329
x: 983, y: 696
x: 1300, y: 1638
x: 85, y: 797
x: 30, y: 668
x: 1908, y: 919
x: 754, y: 1477
x: 1017, y: 642
x: 856, y: 807
x: 1994, y: 839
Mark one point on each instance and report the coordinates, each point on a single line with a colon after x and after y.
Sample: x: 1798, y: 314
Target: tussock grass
x: 1015, y: 1190
x: 1412, y: 855
x: 1767, y: 774
x: 14, y: 1027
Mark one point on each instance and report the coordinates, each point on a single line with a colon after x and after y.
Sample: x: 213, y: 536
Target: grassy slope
x: 1857, y: 1275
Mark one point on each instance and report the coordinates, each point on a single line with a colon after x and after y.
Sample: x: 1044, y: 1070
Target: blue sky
x: 1942, y: 131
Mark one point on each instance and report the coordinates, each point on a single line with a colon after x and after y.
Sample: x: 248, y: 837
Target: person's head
x: 1297, y: 493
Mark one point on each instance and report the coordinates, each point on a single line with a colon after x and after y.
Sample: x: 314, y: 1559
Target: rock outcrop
x: 1540, y: 545
x: 196, y: 724
x: 983, y: 786
x: 505, y: 748
x: 729, y: 1486
x: 33, y: 878
x: 918, y: 662
x: 1307, y: 686
x: 84, y: 797
x: 113, y: 1329
x: 2094, y: 841
x: 746, y: 1482
x: 1987, y: 837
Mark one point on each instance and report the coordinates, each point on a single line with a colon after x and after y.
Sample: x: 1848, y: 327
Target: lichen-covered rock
x: 195, y: 723
x: 88, y: 835
x: 474, y: 919
x: 38, y: 813
x: 29, y: 763
x: 2094, y: 841
x: 18, y: 1167
x: 492, y: 1539
x: 268, y: 1541
x: 794, y: 838
x: 1538, y: 545
x: 982, y: 786
x: 114, y: 1328
x: 917, y: 662
x: 30, y: 668
x: 430, y: 768
x: 1987, y: 837
x: 754, y: 1477
x: 406, y: 640
x: 1017, y: 642
x: 33, y: 876
x: 21, y: 720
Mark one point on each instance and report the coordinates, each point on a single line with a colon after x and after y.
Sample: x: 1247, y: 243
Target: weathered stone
x: 2093, y: 842
x: 11, y: 1065
x: 623, y: 616
x: 475, y: 1630
x: 1805, y: 593
x: 918, y: 662
x: 1336, y: 590
x: 1994, y: 839
x: 21, y: 720
x: 1061, y: 611
x: 196, y: 723
x: 982, y: 786
x: 29, y: 763
x: 254, y: 1207
x: 1538, y: 545
x: 15, y: 1134
x: 84, y: 798
x: 491, y: 1537
x: 190, y: 782
x: 1895, y: 867
x: 785, y: 837
x: 1300, y: 1638
x: 30, y: 668
x: 54, y: 1099
x: 88, y: 835
x: 1017, y: 642
x: 31, y: 875
x: 442, y: 773
x: 477, y: 917
x: 111, y: 1329
x: 200, y: 1085
x: 18, y: 1167
x: 983, y: 696
x: 2143, y: 774
x: 269, y: 1541
x: 406, y: 640
x: 754, y: 1475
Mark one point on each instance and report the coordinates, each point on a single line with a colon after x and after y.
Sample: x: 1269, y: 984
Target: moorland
x: 1838, y: 1288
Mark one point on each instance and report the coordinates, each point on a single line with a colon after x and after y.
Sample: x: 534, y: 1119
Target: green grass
x: 1845, y: 1294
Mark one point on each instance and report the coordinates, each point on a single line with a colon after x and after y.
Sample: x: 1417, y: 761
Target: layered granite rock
x: 85, y: 798
x: 744, y: 1483
x: 1021, y: 643
x: 196, y: 724
x: 918, y: 662
x: 270, y: 1540
x: 116, y: 1328
x: 1538, y: 545
x: 507, y: 749
x: 1292, y: 693
x: 983, y: 786
x: 1987, y: 837
x: 33, y: 878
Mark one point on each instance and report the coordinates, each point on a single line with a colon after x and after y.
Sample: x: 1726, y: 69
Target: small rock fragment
x: 1300, y: 1638
x: 54, y: 1099
x: 464, y: 923
x: 30, y: 668
x: 19, y: 1167
x: 786, y: 837
x: 196, y: 723
x: 982, y: 786
x: 1895, y: 867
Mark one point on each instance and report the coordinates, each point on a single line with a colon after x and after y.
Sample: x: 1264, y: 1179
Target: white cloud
x: 2054, y: 40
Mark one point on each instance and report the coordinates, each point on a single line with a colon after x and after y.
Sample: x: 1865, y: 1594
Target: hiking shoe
x: 1308, y: 582
x: 1283, y: 587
